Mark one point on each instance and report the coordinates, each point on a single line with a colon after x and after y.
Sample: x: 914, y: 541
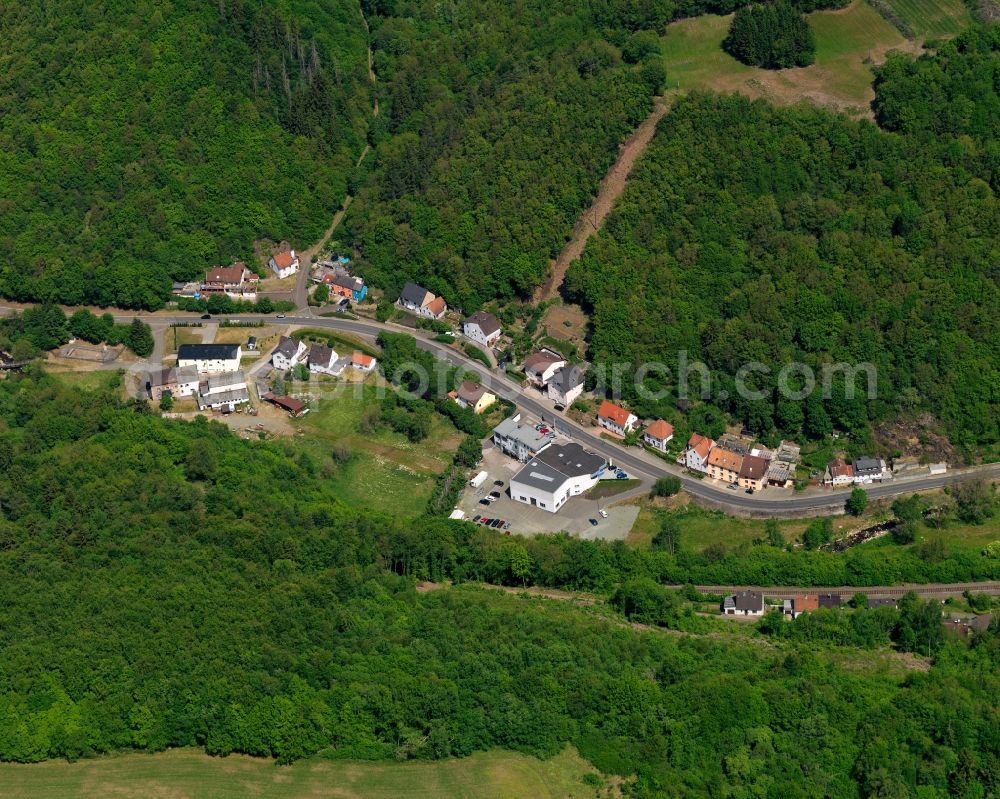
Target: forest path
x: 611, y: 188
x: 306, y: 256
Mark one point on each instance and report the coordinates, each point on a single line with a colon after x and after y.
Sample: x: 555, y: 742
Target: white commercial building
x: 556, y: 474
x: 520, y: 441
x: 223, y: 392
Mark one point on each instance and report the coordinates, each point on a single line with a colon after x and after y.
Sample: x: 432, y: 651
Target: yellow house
x: 473, y: 395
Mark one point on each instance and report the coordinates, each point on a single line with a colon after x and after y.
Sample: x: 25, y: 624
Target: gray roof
x: 348, y: 282
x: 226, y: 397
x: 525, y: 434
x: 487, y: 322
x: 539, y: 475
x: 207, y: 352
x: 745, y: 600
x: 571, y: 459
x: 321, y: 354
x: 867, y: 465
x: 220, y: 382
x: 287, y: 346
x: 567, y: 378
x: 171, y: 375
x: 413, y: 294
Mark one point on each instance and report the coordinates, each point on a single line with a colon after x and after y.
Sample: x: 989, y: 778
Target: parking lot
x: 574, y: 517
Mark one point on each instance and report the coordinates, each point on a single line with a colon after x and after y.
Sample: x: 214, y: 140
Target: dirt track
x: 610, y: 190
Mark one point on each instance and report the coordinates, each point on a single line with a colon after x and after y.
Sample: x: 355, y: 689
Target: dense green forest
x: 771, y: 35
x: 227, y: 600
x: 755, y: 234
x: 497, y: 122
x: 143, y: 142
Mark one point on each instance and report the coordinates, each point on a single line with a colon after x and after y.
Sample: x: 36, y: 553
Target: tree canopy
x: 771, y: 35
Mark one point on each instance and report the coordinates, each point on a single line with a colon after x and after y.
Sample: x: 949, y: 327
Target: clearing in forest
x: 187, y: 774
x: 848, y: 42
x: 933, y: 18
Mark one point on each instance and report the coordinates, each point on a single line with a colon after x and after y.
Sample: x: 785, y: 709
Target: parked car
x: 477, y: 518
x: 750, y: 490
x: 593, y: 522
x: 496, y: 523
x: 484, y: 501
x: 603, y: 513
x: 495, y: 494
x: 485, y: 521
x: 506, y: 526
x: 560, y: 407
x: 732, y: 486
x: 498, y: 483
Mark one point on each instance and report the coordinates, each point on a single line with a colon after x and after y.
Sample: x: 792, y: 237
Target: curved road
x: 642, y: 465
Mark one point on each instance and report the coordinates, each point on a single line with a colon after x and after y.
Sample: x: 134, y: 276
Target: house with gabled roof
x: 724, y: 464
x: 482, y: 327
x: 421, y: 301
x: 615, y: 418
x: 540, y: 367
x: 363, y: 362
x: 744, y: 603
x: 566, y: 385
x: 753, y: 472
x: 208, y: 358
x: 473, y: 395
x: 838, y: 473
x: 323, y: 360
x: 289, y: 352
x: 658, y: 434
x: 696, y: 454
x: 284, y: 264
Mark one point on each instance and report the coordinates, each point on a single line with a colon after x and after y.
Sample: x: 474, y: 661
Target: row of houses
x: 237, y: 281
x: 341, y: 282
x: 859, y: 472
x: 548, y: 372
x: 319, y: 358
x: 621, y: 422
x: 422, y: 302
x: 753, y: 603
x: 739, y: 462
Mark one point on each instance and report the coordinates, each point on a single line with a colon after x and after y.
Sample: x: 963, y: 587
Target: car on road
x: 498, y: 483
x: 280, y: 316
x: 206, y: 316
x: 593, y: 522
x: 604, y: 513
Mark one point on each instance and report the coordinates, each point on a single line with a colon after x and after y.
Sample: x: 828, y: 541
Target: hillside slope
x: 140, y: 143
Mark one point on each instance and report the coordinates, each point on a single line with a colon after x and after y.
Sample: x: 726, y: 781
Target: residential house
x: 696, y: 454
x: 658, y: 434
x: 519, y: 440
x: 753, y: 472
x: 290, y: 352
x: 556, y: 474
x: 724, y: 464
x: 838, y: 473
x: 474, y: 395
x: 295, y: 408
x: 223, y: 392
x: 541, y: 367
x: 324, y: 361
x: 284, y: 264
x: 482, y: 327
x: 208, y: 358
x: 882, y: 602
x: 830, y: 601
x: 421, y: 301
x: 615, y: 418
x: 801, y: 603
x: 744, y: 603
x: 867, y: 470
x: 352, y: 288
x: 362, y: 362
x: 235, y: 281
x: 566, y: 385
x: 179, y: 382
x: 779, y: 473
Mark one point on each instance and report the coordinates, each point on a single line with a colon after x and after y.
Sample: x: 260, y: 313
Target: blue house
x: 354, y: 288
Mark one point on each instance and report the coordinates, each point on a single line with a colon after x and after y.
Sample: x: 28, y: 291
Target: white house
x: 362, y: 362
x: 744, y: 603
x: 284, y: 264
x: 696, y: 454
x: 208, y: 358
x: 566, y: 385
x: 421, y: 301
x: 615, y: 418
x: 324, y: 361
x: 520, y: 441
x: 838, y: 473
x: 542, y: 366
x: 868, y: 470
x: 482, y: 327
x: 223, y: 392
x: 658, y: 434
x: 556, y: 474
x: 289, y: 352
x: 179, y: 382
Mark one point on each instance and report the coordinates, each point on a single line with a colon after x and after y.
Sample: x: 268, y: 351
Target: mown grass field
x: 185, y: 774
x: 384, y: 469
x: 933, y: 18
x: 845, y: 40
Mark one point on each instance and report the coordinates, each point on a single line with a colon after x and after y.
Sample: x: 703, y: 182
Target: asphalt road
x: 709, y: 491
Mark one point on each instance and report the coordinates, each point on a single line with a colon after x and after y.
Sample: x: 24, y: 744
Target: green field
x: 88, y: 381
x: 933, y: 18
x: 845, y: 40
x: 185, y: 774
x: 384, y: 470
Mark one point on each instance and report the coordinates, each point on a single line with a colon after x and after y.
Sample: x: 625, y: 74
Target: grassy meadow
x: 931, y: 19
x: 186, y: 774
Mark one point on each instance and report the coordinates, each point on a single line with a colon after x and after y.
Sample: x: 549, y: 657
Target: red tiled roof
x: 437, y: 306
x: 360, y: 359
x: 284, y: 259
x: 724, y: 459
x: 226, y: 274
x: 615, y: 413
x: 660, y: 429
x: 702, y: 445
x: 840, y: 469
x: 805, y: 602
